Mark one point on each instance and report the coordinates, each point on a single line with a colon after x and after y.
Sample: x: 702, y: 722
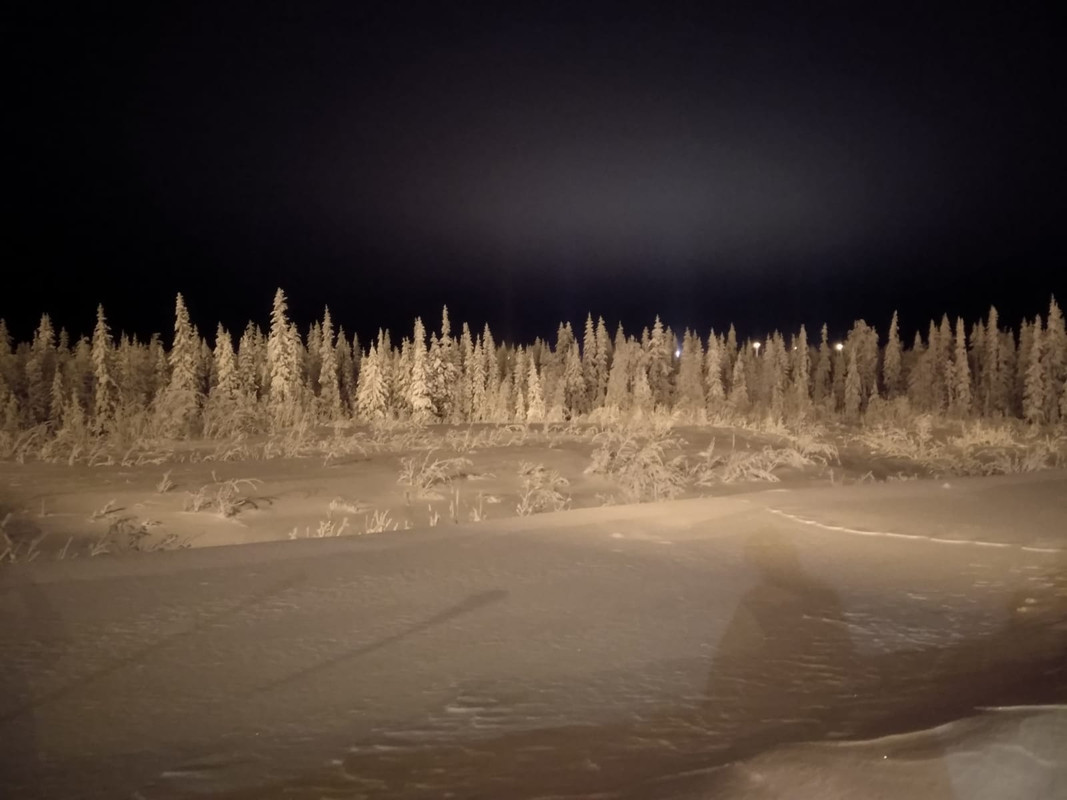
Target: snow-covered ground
x: 891, y: 640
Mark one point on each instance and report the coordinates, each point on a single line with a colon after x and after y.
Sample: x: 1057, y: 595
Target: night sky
x: 528, y: 166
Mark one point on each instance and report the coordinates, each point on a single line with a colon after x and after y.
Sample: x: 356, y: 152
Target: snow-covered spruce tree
x: 690, y: 394
x: 800, y: 385
x: 330, y: 409
x: 659, y: 354
x: 853, y: 385
x: 179, y: 404
x: 919, y: 376
x: 715, y: 395
x: 589, y: 361
x: 220, y: 408
x: 370, y: 389
x: 346, y: 371
x: 892, y: 361
x: 518, y: 380
x: 105, y: 393
x: 961, y: 374
x: 1055, y: 355
x: 603, y: 363
x: 535, y: 406
x: 1022, y: 364
x: 422, y: 410
x: 464, y: 384
x: 252, y: 364
x: 313, y: 358
x: 1006, y: 356
x: 617, y: 395
x: 574, y: 386
x: 443, y: 370
x: 1036, y: 389
x: 737, y: 399
x: 283, y: 365
x: 40, y: 369
x: 822, y: 386
x: 991, y: 387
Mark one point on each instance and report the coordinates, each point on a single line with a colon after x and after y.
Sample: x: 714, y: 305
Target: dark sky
x: 705, y: 163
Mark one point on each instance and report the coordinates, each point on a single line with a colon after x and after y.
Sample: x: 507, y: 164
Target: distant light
x: 756, y: 346
x: 839, y: 347
x: 678, y: 353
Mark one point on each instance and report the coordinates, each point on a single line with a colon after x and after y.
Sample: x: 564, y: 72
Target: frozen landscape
x: 893, y: 640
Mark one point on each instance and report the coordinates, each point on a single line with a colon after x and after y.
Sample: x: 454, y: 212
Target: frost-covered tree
x: 535, y: 405
x: 690, y: 395
x: 40, y: 371
x: 738, y: 398
x: 574, y: 386
x: 180, y: 403
x: 329, y: 378
x: 105, y: 394
x: 658, y: 354
x: 616, y: 398
x: 892, y: 361
x: 443, y: 370
x: 992, y: 394
x: 283, y: 363
x: 370, y: 389
x: 1055, y: 356
x: 715, y: 394
x: 961, y: 373
x: 1036, y: 389
x: 822, y: 387
x: 853, y: 384
x: 800, y: 391
x: 419, y: 387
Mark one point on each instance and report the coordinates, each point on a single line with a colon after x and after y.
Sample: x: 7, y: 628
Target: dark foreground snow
x: 892, y: 641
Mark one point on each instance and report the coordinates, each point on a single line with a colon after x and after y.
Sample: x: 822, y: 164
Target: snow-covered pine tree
x: 535, y: 407
x: 370, y: 388
x: 313, y: 359
x: 1022, y: 364
x: 800, y: 389
x: 518, y: 391
x: 603, y: 363
x: 1036, y: 389
x: 574, y: 386
x: 464, y: 383
x: 715, y: 395
x: 283, y: 365
x: 589, y: 360
x: 1006, y: 356
x: 40, y: 369
x: 443, y: 370
x: 422, y: 410
x: 346, y: 371
x: 329, y: 380
x: 961, y: 374
x: 853, y: 385
x: 991, y: 398
x: 1055, y: 355
x: 822, y: 387
x: 738, y: 399
x: 105, y: 394
x: 616, y: 398
x: 690, y: 394
x: 892, y: 361
x: 660, y: 351
x: 180, y: 402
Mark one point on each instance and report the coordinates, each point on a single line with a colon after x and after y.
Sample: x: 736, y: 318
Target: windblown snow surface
x: 900, y: 640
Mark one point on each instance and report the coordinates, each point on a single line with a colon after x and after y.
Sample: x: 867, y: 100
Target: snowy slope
x: 655, y: 651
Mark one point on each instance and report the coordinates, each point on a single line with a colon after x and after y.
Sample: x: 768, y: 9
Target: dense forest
x: 124, y: 390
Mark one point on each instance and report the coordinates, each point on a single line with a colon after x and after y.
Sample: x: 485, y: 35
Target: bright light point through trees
x: 839, y: 347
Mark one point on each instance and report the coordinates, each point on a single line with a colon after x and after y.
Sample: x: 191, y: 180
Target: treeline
x: 272, y: 380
